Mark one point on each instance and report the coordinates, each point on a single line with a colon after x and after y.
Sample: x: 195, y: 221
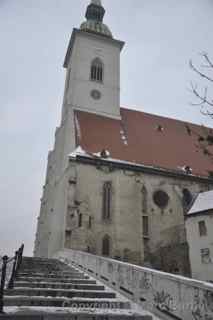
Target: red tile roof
x: 146, y: 139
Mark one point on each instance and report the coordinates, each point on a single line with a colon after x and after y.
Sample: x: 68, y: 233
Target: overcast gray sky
x: 161, y: 36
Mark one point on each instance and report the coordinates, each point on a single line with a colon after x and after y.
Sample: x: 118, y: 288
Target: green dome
x: 94, y: 14
x: 96, y: 27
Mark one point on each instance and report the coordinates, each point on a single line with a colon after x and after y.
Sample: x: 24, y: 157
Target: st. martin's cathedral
x: 118, y: 181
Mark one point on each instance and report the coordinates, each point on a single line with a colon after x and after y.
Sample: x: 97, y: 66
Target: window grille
x: 96, y: 73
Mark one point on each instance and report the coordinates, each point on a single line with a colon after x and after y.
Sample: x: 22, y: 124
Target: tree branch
x: 210, y: 64
x: 203, y: 98
x: 201, y: 74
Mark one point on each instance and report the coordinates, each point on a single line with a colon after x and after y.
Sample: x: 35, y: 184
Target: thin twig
x: 201, y: 74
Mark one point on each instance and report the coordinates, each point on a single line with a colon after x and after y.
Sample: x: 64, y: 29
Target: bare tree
x: 203, y: 99
x: 205, y: 72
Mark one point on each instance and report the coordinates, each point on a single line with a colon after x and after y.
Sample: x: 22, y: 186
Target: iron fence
x: 8, y: 271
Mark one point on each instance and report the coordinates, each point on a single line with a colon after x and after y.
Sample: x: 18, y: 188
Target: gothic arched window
x: 106, y: 246
x: 144, y: 199
x: 107, y: 199
x: 187, y: 198
x: 97, y: 70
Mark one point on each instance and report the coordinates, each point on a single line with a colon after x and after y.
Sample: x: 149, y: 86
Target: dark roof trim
x: 141, y: 168
x: 89, y: 34
x: 200, y: 213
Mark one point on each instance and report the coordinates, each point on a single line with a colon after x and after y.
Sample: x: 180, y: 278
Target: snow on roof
x: 106, y: 156
x: 203, y: 202
x: 173, y: 145
x: 77, y: 152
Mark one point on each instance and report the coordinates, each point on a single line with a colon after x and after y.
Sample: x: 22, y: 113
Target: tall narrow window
x: 202, y: 228
x: 107, y: 195
x: 80, y: 220
x: 145, y: 226
x: 96, y: 72
x: 187, y: 198
x: 106, y: 246
x: 144, y: 199
x: 90, y: 222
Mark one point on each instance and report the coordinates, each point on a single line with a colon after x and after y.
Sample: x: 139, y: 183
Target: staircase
x: 49, y: 289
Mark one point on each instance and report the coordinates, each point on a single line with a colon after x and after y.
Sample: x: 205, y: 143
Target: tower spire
x: 96, y: 2
x: 94, y: 14
x: 95, y: 11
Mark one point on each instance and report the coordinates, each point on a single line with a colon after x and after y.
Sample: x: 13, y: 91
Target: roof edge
x: 200, y: 213
x: 86, y: 159
x: 89, y: 34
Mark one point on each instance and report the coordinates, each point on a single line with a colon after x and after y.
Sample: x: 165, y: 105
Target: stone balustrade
x: 167, y: 295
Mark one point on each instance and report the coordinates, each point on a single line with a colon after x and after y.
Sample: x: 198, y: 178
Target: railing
x: 8, y: 280
x: 168, y: 296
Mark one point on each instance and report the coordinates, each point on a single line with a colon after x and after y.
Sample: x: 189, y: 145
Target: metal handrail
x: 8, y: 261
x: 16, y: 265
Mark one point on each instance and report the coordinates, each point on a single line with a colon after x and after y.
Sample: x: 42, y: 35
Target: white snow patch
x: 73, y: 311
x: 186, y: 169
x: 78, y: 128
x: 123, y: 137
x: 203, y: 202
x: 78, y: 151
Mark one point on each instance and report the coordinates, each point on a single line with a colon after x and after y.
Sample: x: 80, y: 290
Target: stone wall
x: 164, y: 247
x: 168, y: 296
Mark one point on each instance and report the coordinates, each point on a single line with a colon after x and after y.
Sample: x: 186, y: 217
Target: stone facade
x: 162, y: 246
x: 73, y: 215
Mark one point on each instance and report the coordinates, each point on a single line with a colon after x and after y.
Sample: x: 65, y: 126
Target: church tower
x: 92, y: 85
x: 93, y: 67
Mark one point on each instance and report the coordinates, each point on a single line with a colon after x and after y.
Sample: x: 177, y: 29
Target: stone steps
x: 50, y: 271
x: 45, y: 279
x: 50, y: 281
x: 63, y: 302
x: 74, y: 315
x: 48, y: 292
x: 48, y: 289
x: 52, y: 275
x: 53, y: 285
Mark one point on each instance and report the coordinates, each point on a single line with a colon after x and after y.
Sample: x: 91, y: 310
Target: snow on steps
x: 72, y: 314
x: 58, y: 285
x: 48, y: 289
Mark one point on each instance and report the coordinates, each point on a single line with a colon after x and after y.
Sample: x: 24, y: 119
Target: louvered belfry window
x: 107, y: 200
x: 97, y: 70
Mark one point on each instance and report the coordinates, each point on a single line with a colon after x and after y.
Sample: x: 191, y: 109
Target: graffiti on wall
x: 202, y: 306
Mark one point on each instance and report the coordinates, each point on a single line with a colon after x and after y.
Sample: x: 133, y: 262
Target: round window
x: 95, y: 94
x: 161, y: 199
